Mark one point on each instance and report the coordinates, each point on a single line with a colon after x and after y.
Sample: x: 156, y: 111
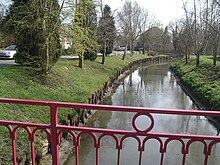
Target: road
x: 7, y: 62
x: 4, y: 62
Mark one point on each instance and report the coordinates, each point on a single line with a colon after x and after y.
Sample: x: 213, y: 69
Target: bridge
x: 53, y: 130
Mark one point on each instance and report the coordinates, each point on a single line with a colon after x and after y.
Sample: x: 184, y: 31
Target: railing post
x: 14, y: 154
x: 54, y: 135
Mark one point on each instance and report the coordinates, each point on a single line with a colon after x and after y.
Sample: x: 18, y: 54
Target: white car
x: 8, y: 52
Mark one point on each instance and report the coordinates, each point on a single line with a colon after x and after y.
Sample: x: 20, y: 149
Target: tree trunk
x: 186, y: 58
x: 215, y: 50
x: 81, y: 61
x: 123, y: 57
x: 197, y: 59
x: 214, y: 60
x: 131, y: 48
x: 130, y: 80
x: 45, y: 63
x: 143, y: 46
x: 48, y: 55
x: 104, y: 52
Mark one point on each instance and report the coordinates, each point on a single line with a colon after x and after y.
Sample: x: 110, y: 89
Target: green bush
x: 204, y: 80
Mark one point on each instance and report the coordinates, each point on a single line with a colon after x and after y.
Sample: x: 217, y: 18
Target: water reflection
x: 149, y: 86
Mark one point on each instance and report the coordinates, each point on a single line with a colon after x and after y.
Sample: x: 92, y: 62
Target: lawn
x: 65, y: 82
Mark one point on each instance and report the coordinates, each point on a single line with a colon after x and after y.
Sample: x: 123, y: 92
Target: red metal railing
x: 54, y: 130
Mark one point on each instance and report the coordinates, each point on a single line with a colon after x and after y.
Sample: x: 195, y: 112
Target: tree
x: 35, y: 25
x: 81, y: 42
x: 166, y: 40
x: 185, y: 43
x: 132, y: 21
x: 182, y: 41
x: 175, y: 34
x: 214, y: 30
x: 197, y: 26
x: 214, y: 42
x: 106, y: 32
x: 148, y: 21
x: 212, y: 21
x: 83, y: 31
x: 153, y: 39
x: 86, y: 16
x: 2, y: 12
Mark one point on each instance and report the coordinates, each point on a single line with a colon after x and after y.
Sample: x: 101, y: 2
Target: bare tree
x: 210, y: 18
x: 147, y: 22
x: 217, y: 2
x: 214, y: 28
x: 185, y: 43
x: 176, y: 29
x: 182, y: 41
x: 195, y: 23
x: 132, y: 21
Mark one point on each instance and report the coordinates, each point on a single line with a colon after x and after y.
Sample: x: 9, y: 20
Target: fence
x: 54, y: 130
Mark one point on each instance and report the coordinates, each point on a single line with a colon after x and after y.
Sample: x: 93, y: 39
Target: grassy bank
x: 65, y: 82
x: 204, y: 81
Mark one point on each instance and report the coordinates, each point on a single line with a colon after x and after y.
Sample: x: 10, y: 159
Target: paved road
x: 69, y: 57
x: 4, y: 62
x: 7, y: 62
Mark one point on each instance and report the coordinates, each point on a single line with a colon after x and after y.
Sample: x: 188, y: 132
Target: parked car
x: 8, y: 52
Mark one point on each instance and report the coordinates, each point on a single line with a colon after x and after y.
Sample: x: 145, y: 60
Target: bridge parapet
x: 141, y: 135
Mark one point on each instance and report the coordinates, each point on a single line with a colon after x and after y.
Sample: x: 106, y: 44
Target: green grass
x: 203, y: 80
x: 65, y: 82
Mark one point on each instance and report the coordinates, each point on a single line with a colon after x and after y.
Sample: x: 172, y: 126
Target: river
x: 148, y: 86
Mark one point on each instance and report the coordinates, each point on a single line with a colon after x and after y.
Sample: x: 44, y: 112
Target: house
x: 66, y: 43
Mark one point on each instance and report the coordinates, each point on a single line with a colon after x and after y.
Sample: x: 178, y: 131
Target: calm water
x: 148, y: 86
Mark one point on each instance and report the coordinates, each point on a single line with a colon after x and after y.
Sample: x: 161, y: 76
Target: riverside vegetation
x: 65, y: 82
x: 69, y: 83
x: 203, y: 81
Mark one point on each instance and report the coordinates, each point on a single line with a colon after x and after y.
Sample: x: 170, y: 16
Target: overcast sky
x: 164, y: 10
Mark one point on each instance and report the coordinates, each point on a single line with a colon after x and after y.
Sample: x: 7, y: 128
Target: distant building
x: 119, y: 48
x: 122, y: 48
x: 65, y: 43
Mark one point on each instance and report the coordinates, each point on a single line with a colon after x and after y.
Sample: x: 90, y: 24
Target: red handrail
x: 53, y: 130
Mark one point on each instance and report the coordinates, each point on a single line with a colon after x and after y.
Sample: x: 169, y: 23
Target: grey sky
x: 164, y: 10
